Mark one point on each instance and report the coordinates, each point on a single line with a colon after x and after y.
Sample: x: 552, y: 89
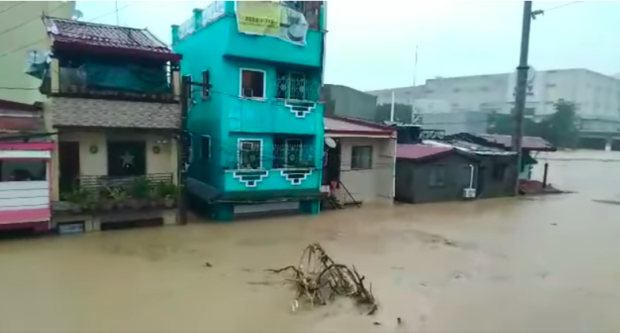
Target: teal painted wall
x: 225, y: 117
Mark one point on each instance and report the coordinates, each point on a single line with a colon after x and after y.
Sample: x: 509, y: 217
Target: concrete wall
x: 348, y: 102
x: 456, y: 122
x: 16, y: 44
x: 97, y: 163
x: 375, y: 185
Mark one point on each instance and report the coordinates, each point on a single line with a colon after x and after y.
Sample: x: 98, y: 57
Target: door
x: 69, y: 160
x: 126, y: 158
x: 331, y: 164
x: 482, y: 173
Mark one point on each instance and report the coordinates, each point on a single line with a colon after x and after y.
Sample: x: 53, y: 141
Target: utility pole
x: 182, y: 151
x: 520, y: 97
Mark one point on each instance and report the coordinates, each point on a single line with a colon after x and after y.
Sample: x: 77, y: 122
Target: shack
x: 434, y: 171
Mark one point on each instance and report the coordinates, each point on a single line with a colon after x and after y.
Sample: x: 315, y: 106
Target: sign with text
x: 267, y: 18
x: 428, y: 134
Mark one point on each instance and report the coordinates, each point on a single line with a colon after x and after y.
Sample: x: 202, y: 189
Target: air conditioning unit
x: 469, y: 193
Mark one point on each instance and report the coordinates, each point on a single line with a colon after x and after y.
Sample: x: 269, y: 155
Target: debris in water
x: 319, y: 279
x: 399, y: 321
x: 376, y: 323
x: 208, y: 264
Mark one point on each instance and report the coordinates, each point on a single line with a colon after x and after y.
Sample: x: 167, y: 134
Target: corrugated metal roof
x: 417, y: 151
x: 350, y: 126
x: 103, y: 35
x: 529, y: 142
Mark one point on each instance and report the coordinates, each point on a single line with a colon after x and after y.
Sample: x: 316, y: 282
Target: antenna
x: 415, y: 65
x: 116, y: 10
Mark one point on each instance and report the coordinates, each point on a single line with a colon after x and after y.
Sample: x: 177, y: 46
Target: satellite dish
x: 77, y: 14
x: 331, y: 143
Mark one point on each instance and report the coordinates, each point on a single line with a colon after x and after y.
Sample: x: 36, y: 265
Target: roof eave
x: 361, y: 133
x: 59, y: 45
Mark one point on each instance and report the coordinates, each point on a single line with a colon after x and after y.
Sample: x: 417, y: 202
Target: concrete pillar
x: 175, y: 34
x: 312, y: 207
x: 197, y: 19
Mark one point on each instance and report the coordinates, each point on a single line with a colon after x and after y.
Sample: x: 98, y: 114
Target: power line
x: 17, y: 88
x: 543, y: 11
x: 44, y: 39
x: 11, y: 7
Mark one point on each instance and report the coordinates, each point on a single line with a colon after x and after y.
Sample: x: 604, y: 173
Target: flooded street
x: 545, y: 264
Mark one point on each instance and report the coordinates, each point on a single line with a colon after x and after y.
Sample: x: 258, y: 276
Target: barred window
x: 361, y: 157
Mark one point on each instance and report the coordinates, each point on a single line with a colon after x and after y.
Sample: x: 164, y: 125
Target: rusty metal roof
x: 66, y: 32
x: 529, y: 142
x: 419, y: 151
x: 347, y: 126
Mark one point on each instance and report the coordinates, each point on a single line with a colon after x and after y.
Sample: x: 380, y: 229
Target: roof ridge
x: 94, y: 23
x: 152, y: 35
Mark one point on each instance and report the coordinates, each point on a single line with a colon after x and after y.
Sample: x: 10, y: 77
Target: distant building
x: 347, y: 102
x: 456, y: 122
x: 597, y: 95
x: 22, y: 34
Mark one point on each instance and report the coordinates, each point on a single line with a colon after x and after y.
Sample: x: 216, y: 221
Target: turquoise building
x: 257, y: 135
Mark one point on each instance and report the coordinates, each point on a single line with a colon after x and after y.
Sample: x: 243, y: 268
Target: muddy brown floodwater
x: 547, y: 264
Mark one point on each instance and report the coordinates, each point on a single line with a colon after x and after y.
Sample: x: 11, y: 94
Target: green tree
x: 560, y: 128
x: 402, y: 112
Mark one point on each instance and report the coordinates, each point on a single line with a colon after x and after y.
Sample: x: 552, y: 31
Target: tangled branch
x: 319, y: 279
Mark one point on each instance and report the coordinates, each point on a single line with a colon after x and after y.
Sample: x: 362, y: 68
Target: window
x: 291, y: 85
x: 20, y: 171
x: 252, y: 83
x: 250, y: 154
x: 292, y: 151
x: 361, y: 157
x: 126, y: 158
x: 189, y: 144
x: 205, y: 147
x: 499, y: 171
x: 437, y: 176
x: 206, y: 84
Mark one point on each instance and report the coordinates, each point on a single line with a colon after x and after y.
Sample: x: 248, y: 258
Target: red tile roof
x: 415, y: 152
x: 347, y: 126
x: 529, y: 142
x: 65, y: 32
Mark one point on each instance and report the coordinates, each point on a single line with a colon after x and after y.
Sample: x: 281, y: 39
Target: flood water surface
x: 545, y: 264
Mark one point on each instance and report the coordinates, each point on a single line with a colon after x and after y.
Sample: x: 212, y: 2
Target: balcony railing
x: 279, y: 156
x: 297, y: 87
x: 102, y: 183
x: 115, y: 82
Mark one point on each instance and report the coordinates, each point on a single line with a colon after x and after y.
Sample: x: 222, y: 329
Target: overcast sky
x: 371, y: 45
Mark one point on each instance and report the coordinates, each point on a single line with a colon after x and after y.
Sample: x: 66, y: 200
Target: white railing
x: 210, y: 14
x: 213, y: 12
x: 187, y: 28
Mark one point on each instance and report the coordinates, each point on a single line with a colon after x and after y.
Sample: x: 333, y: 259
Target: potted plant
x: 118, y: 197
x: 140, y: 192
x: 168, y: 192
x: 78, y: 199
